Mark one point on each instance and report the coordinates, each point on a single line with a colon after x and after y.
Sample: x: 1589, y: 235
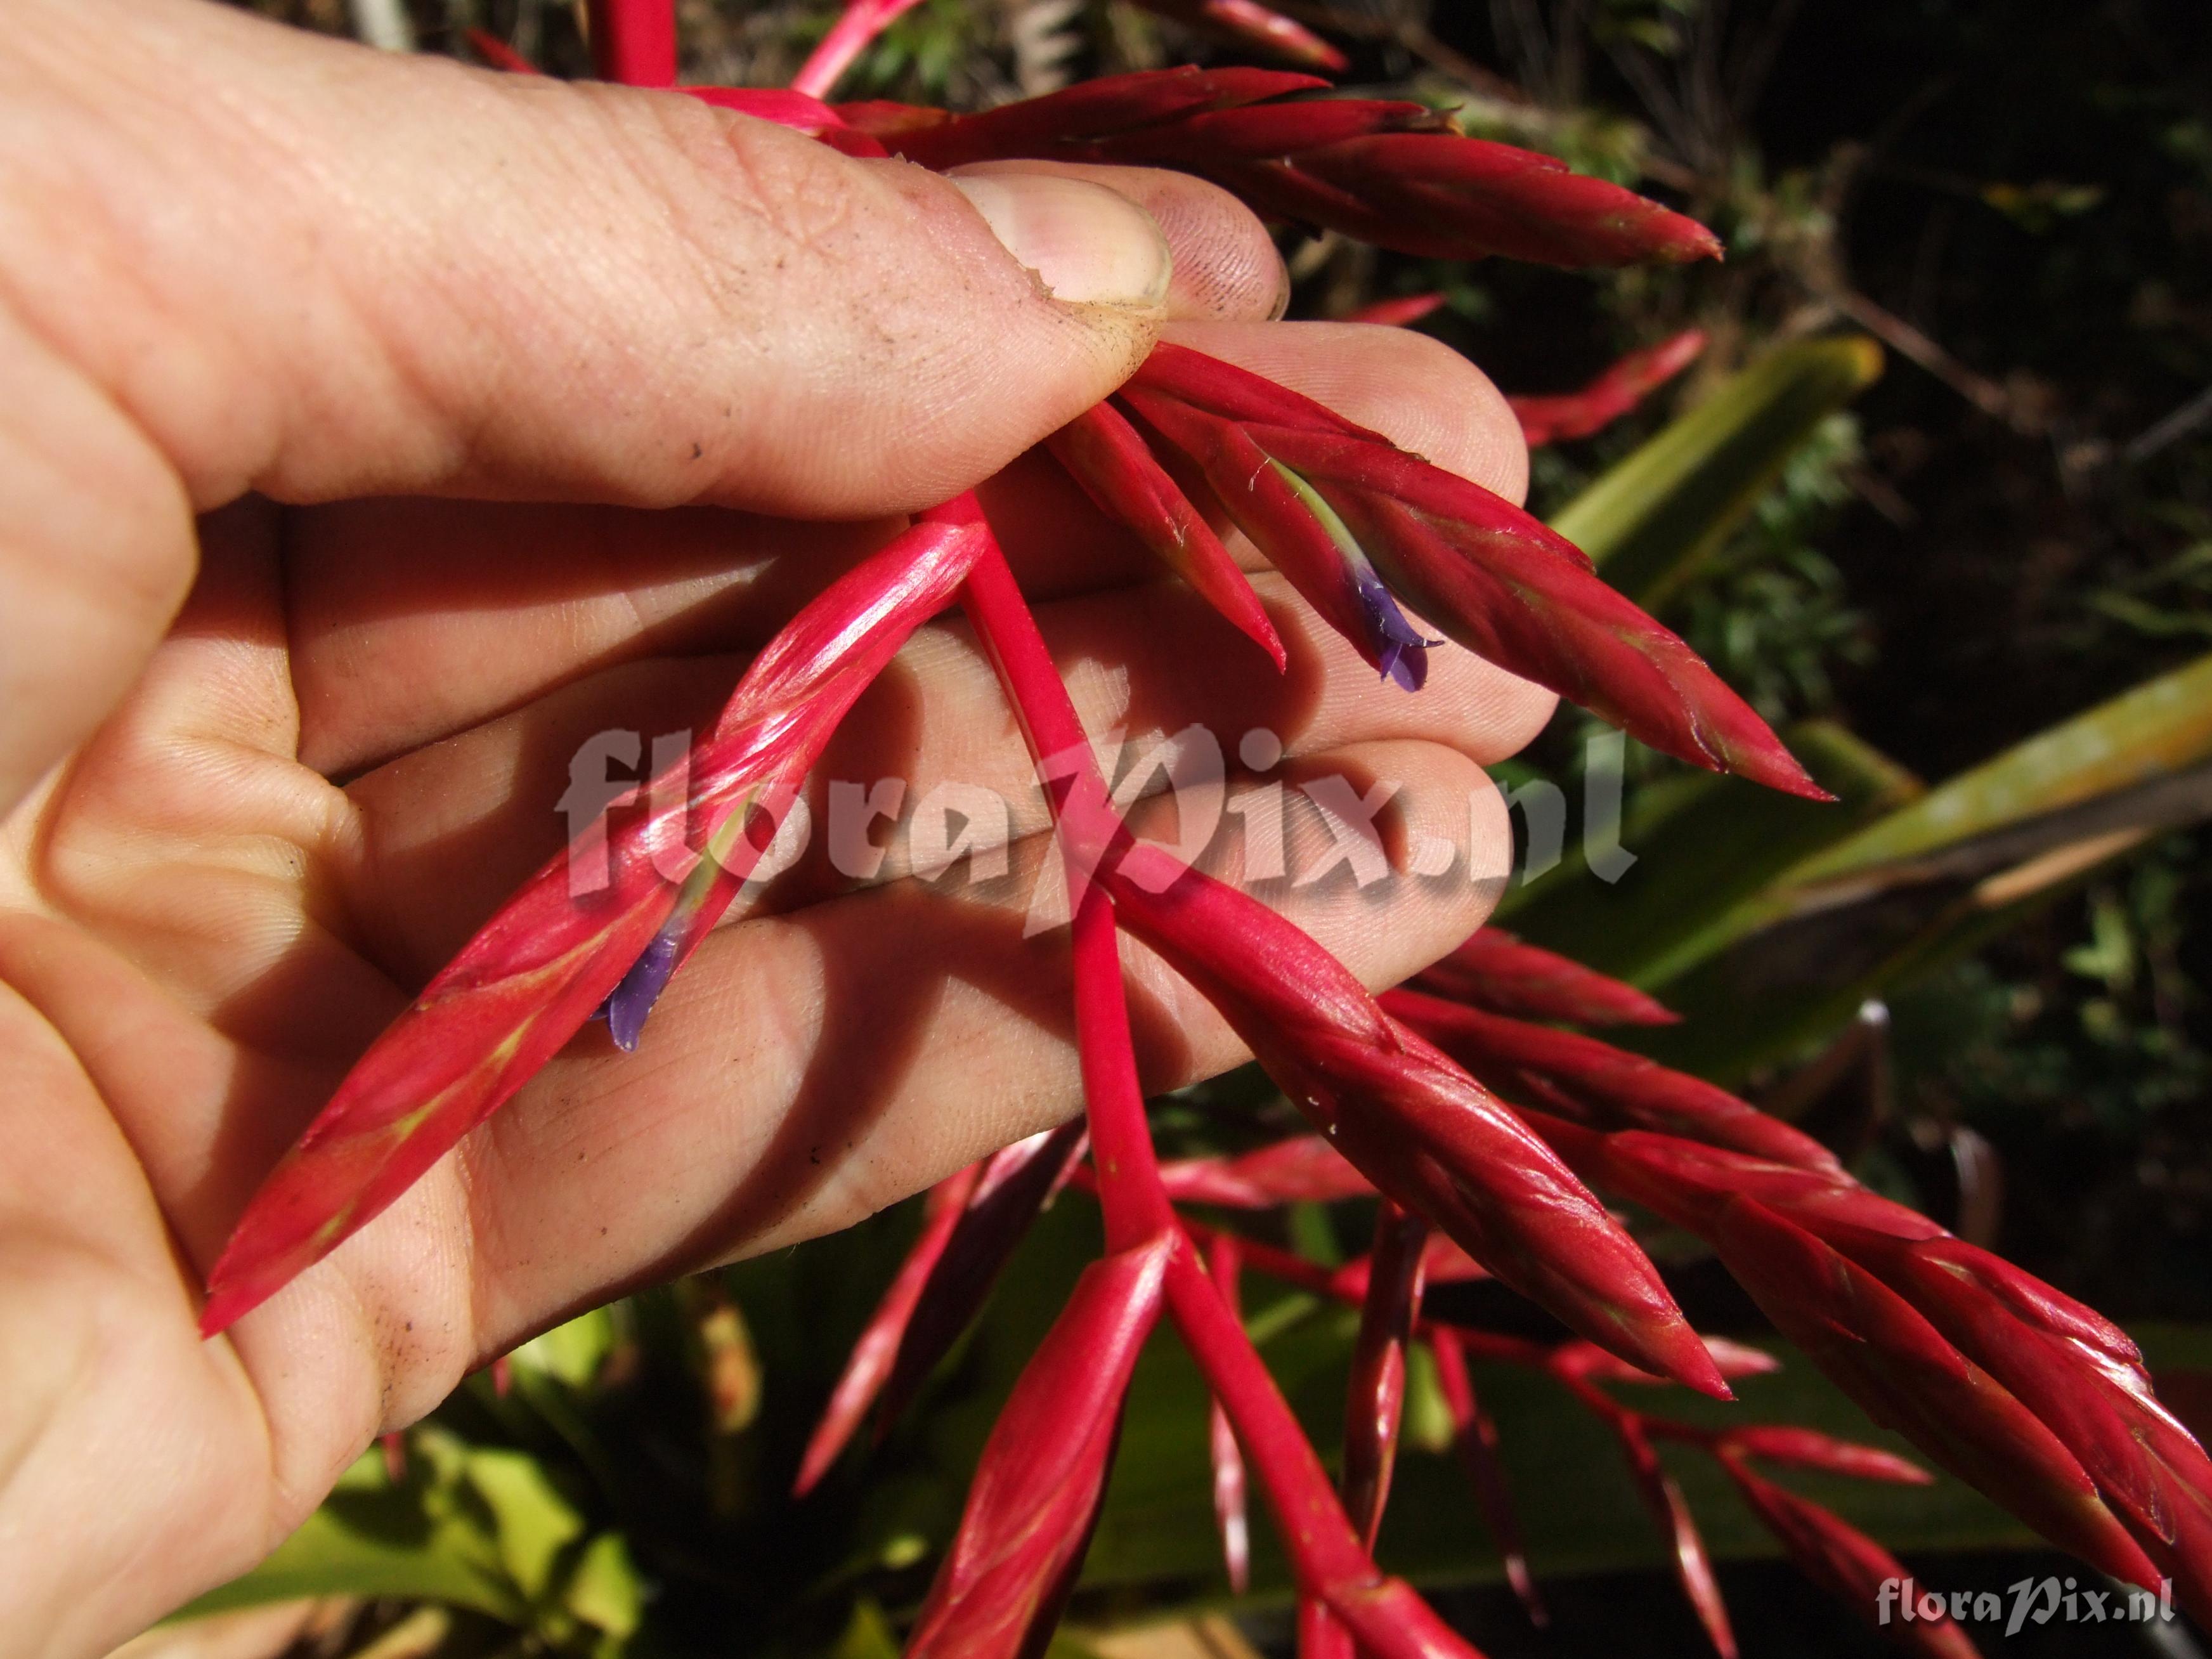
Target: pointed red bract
x: 1550, y: 420
x: 1395, y: 174
x: 1976, y: 1342
x: 1582, y: 1075
x: 1300, y: 535
x: 1376, y: 1398
x: 1850, y: 1565
x: 1251, y: 24
x: 1105, y: 455
x: 1496, y: 971
x: 1303, y: 1170
x: 1351, y: 520
x: 1693, y: 1567
x: 869, y: 1366
x: 1034, y: 1499
x: 1011, y: 1191
x: 1808, y: 1448
x: 1418, y: 1126
x: 1475, y: 1437
x: 1398, y: 314
x: 1902, y: 1372
x: 532, y: 976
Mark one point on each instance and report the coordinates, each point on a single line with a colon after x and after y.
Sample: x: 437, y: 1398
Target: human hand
x: 373, y: 368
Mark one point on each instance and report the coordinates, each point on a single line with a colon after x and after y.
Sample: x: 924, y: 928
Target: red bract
x: 1225, y: 1265
x: 1848, y: 1564
x: 1395, y: 174
x: 1587, y: 1078
x: 1808, y: 1448
x: 1398, y: 314
x: 1037, y: 1491
x: 1303, y: 1170
x: 1983, y: 1351
x: 1356, y: 524
x: 1900, y: 1370
x: 869, y: 1366
x: 1497, y: 971
x: 1376, y: 1399
x: 2081, y: 1376
x: 1298, y: 529
x: 1106, y: 456
x: 1693, y: 1568
x: 1014, y: 1187
x: 1254, y: 25
x: 1613, y: 394
x: 1423, y: 1130
x: 1475, y: 1437
x: 534, y: 975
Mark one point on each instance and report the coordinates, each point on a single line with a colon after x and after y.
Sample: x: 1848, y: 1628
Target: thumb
x: 235, y: 257
x: 301, y: 267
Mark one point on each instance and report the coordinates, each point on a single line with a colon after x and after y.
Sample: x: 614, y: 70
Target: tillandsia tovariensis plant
x: 1459, y: 1106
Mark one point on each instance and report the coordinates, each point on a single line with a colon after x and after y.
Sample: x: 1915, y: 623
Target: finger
x: 239, y: 257
x: 445, y: 834
x: 414, y: 620
x: 804, y: 1072
x: 372, y: 274
x: 1226, y: 266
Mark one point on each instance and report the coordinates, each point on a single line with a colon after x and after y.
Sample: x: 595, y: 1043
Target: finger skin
x: 413, y: 620
x: 235, y: 257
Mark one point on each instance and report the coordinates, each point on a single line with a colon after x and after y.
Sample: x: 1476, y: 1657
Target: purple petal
x: 1400, y: 651
x: 641, y: 988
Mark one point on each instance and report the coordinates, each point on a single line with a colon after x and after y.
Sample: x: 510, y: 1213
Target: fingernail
x: 1087, y: 245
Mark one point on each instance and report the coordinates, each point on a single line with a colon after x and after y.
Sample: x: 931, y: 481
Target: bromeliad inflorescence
x: 1996, y: 1377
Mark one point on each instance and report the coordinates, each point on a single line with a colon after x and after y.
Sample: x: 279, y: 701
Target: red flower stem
x: 1129, y: 1189
x: 633, y: 41
x: 1322, y: 1547
x: 1325, y: 1552
x: 862, y: 22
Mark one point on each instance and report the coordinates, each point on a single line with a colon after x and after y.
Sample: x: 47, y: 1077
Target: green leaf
x: 1653, y: 518
x: 1706, y: 849
x: 533, y: 1521
x: 2159, y: 729
x: 1941, y: 876
x: 572, y: 1352
x: 867, y: 1635
x: 604, y: 1589
x: 426, y: 1539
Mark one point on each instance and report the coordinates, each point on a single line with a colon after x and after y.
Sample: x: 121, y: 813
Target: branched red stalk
x: 497, y: 53
x: 1326, y: 1553
x: 633, y: 41
x: 1251, y: 24
x: 856, y: 29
